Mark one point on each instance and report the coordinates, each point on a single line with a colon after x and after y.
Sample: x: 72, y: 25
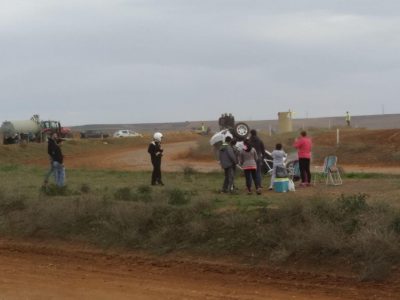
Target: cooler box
x: 281, y: 185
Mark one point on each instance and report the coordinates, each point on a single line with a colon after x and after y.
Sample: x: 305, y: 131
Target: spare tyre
x: 241, y: 131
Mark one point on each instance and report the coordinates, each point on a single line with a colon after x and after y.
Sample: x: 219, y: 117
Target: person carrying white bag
x: 278, y: 160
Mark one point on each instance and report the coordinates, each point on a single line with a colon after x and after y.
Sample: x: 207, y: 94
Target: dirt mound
x: 361, y: 147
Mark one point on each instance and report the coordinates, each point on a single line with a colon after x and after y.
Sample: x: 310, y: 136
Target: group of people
x: 250, y: 160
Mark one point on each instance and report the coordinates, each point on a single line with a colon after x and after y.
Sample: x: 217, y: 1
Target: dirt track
x: 31, y: 271
x: 137, y: 159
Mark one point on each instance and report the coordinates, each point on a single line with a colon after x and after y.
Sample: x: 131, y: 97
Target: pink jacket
x: 303, y: 145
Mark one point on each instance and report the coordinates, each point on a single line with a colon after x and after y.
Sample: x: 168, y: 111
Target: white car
x: 127, y: 133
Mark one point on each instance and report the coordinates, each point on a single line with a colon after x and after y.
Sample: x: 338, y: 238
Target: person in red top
x: 304, y: 145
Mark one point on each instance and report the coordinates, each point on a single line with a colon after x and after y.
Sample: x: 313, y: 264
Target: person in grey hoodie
x: 227, y: 159
x: 248, y: 161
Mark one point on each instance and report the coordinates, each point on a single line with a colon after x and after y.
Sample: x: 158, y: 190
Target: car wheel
x: 241, y: 131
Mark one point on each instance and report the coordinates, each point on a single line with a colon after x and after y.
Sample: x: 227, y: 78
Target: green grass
x: 112, y: 208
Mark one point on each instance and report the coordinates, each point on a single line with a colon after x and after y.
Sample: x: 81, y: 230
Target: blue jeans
x: 59, y: 173
x: 251, y: 175
x: 49, y: 172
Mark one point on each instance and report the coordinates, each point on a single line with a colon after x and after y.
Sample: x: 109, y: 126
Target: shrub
x: 188, y: 172
x: 54, y: 190
x: 177, y: 196
x: 85, y: 188
x: 124, y: 194
x: 144, y: 189
x: 11, y: 205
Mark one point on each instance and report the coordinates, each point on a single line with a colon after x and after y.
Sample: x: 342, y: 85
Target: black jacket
x: 51, y: 147
x: 258, y: 145
x: 155, y: 151
x: 58, y: 156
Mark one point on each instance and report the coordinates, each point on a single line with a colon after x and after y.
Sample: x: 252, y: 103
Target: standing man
x: 58, y: 164
x: 348, y: 119
x: 156, y: 153
x: 51, y: 148
x: 258, y: 145
x: 304, y: 145
x: 228, y: 161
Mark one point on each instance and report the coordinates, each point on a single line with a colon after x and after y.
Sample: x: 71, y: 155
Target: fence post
x: 337, y: 136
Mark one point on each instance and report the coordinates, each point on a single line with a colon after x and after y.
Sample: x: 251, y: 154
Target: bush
x: 54, y: 190
x: 188, y: 173
x: 177, y: 197
x: 85, y: 188
x: 144, y: 189
x: 124, y: 194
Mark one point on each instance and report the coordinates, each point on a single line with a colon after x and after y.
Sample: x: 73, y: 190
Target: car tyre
x: 241, y: 131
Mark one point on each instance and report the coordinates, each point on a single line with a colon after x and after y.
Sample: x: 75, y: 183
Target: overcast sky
x: 134, y: 61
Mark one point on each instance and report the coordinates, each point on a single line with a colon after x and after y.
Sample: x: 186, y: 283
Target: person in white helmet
x: 156, y: 153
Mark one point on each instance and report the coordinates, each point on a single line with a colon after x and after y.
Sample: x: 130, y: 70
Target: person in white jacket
x: 278, y: 159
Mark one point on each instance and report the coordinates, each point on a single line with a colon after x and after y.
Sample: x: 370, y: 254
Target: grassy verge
x: 112, y: 208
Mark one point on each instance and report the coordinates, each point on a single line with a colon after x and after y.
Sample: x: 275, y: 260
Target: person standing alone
x: 303, y: 144
x: 348, y: 119
x: 51, y: 146
x: 58, y: 164
x: 156, y: 153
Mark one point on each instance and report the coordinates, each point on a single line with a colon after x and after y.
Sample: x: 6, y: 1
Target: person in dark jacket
x: 51, y: 145
x: 258, y: 145
x: 58, y: 164
x: 228, y: 161
x: 156, y: 153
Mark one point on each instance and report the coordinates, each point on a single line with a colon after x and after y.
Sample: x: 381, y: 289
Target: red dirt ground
x: 61, y: 271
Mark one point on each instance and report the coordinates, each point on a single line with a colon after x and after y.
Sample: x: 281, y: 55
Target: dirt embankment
x: 60, y: 271
x: 137, y: 159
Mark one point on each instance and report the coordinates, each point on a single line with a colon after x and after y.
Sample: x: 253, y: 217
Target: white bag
x: 291, y: 186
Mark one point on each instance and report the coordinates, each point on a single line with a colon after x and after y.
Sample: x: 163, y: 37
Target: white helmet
x: 157, y: 136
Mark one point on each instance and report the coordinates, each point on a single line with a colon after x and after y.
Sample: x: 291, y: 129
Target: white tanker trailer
x: 30, y: 130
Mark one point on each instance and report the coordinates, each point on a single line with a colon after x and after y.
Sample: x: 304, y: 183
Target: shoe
x: 161, y: 183
x: 270, y: 189
x: 258, y: 191
x: 302, y: 185
x: 249, y: 192
x: 153, y: 183
x: 308, y: 184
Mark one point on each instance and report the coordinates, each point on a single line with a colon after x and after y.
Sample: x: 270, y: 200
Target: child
x: 248, y: 161
x: 227, y: 159
x: 278, y: 156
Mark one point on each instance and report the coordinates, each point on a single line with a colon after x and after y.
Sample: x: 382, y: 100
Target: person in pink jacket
x: 303, y: 144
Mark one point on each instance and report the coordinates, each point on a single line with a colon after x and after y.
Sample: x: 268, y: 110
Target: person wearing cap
x: 156, y: 153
